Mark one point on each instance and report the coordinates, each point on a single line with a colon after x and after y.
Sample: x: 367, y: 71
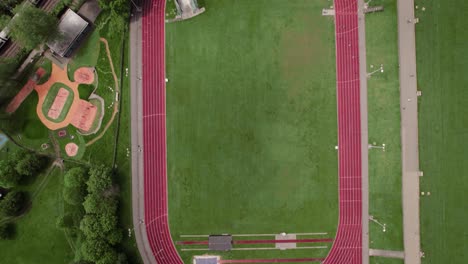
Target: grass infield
x: 385, y: 203
x: 251, y: 122
x: 443, y: 129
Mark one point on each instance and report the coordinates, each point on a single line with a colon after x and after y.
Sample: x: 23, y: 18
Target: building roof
x: 71, y: 26
x: 220, y: 242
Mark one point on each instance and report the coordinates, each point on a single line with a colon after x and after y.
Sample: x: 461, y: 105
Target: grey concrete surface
x: 409, y: 130
x: 387, y: 253
x: 364, y: 132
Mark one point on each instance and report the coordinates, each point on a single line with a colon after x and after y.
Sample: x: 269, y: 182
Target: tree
x: 100, y: 179
x: 97, y: 204
x: 29, y: 164
x: 109, y: 257
x: 7, y: 230
x: 114, y: 237
x: 93, y: 249
x: 12, y: 204
x: 6, y: 6
x: 65, y: 221
x: 73, y: 196
x: 120, y: 7
x: 32, y: 26
x: 8, y: 176
x: 75, y: 177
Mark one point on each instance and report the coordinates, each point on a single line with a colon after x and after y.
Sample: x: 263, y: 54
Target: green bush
x: 12, y: 204
x: 7, y: 231
x: 9, y: 177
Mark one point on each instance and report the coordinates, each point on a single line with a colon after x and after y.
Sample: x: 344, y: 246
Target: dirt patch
x: 300, y: 49
x: 24, y: 92
x: 58, y: 104
x: 71, y: 149
x: 84, y: 75
x: 84, y: 115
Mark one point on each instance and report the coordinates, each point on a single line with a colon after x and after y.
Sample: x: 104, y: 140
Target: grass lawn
x: 37, y: 237
x: 385, y: 202
x: 443, y: 129
x: 32, y: 133
x: 171, y: 9
x: 380, y: 260
x: 87, y: 55
x: 85, y: 90
x: 50, y: 98
x: 251, y: 115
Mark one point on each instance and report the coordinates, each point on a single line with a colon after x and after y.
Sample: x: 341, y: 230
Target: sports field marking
x: 260, y: 248
x: 145, y: 116
x: 261, y: 235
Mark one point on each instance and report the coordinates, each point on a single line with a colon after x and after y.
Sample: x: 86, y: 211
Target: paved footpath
x: 137, y: 139
x: 364, y: 132
x: 409, y: 130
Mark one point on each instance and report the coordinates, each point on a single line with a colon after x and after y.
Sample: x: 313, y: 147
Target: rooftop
x: 71, y: 26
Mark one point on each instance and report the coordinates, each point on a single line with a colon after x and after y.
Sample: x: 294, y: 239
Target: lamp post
x: 378, y: 70
x: 375, y: 146
x: 138, y: 8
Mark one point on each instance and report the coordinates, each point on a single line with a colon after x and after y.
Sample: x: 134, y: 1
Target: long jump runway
x: 347, y: 247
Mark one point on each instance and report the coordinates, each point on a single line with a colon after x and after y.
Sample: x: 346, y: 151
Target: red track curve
x: 347, y: 247
x: 154, y: 133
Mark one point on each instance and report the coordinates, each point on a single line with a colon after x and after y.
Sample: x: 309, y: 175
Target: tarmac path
x: 409, y: 130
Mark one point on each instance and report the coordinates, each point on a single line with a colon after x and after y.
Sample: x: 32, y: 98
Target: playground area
x: 59, y: 107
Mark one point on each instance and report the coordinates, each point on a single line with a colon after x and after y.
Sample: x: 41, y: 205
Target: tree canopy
x: 8, y: 176
x: 32, y: 26
x: 12, y: 204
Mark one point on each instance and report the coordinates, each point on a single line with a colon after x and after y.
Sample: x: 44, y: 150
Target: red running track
x: 347, y: 247
x: 154, y: 133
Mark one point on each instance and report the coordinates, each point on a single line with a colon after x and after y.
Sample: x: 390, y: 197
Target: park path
x: 364, y: 131
x: 409, y: 130
x: 117, y: 92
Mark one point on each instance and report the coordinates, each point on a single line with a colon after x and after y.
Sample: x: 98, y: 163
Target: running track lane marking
x: 347, y: 247
x: 154, y: 133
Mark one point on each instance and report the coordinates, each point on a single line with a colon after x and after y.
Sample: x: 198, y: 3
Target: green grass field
x: 443, y: 128
x: 380, y: 260
x: 251, y: 115
x: 385, y: 202
x: 37, y: 238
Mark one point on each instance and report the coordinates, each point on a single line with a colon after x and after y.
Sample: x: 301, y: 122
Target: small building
x: 206, y: 260
x: 72, y: 28
x: 220, y: 242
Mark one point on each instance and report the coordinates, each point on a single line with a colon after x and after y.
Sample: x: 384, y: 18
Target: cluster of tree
x: 119, y: 13
x: 7, y: 230
x: 99, y: 223
x: 32, y: 26
x: 7, y: 6
x: 19, y: 166
x: 12, y: 204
